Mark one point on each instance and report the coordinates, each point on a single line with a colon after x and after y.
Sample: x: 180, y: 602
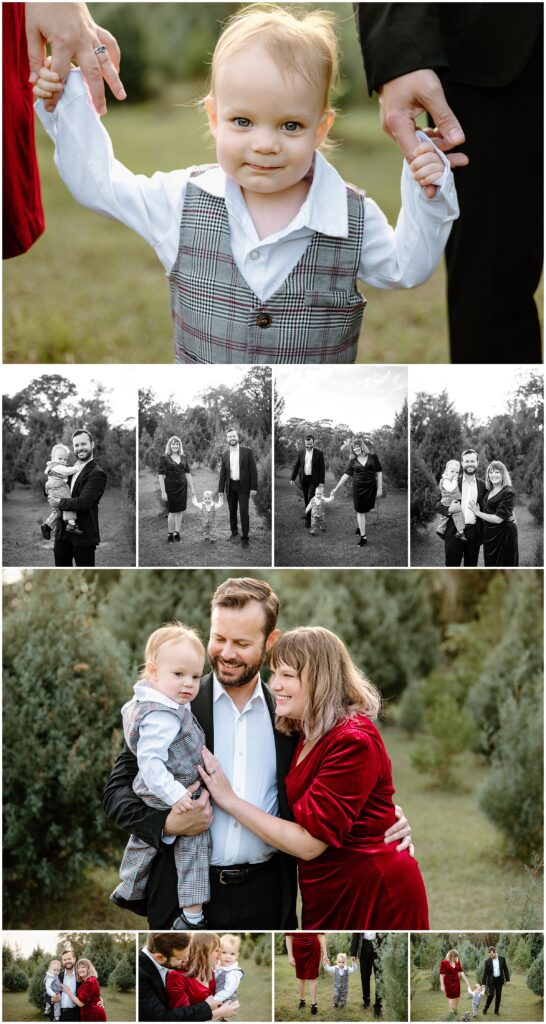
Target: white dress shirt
x: 308, y: 462
x: 163, y: 971
x: 80, y: 466
x: 245, y: 747
x: 156, y: 733
x: 400, y: 257
x: 70, y: 981
x: 469, y: 492
x: 370, y: 935
x: 496, y: 967
x: 234, y: 472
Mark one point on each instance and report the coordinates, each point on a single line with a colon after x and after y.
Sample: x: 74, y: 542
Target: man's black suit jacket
x: 130, y: 813
x: 152, y: 997
x: 248, y: 474
x: 451, y: 529
x: 485, y: 44
x: 317, y: 467
x: 86, y: 493
x: 488, y: 976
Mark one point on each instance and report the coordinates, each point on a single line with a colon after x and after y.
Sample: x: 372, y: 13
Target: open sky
x: 191, y: 382
x: 481, y: 390
x: 27, y: 941
x: 363, y: 397
x: 121, y: 382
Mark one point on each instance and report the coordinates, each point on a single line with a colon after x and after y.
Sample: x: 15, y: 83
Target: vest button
x: 263, y: 320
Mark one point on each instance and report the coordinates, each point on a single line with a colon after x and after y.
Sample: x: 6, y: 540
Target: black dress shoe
x: 234, y: 536
x: 362, y: 542
x: 302, y: 1004
x: 244, y: 542
x: 314, y: 1009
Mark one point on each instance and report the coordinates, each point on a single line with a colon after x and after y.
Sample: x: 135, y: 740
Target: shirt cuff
x: 446, y: 193
x: 168, y: 840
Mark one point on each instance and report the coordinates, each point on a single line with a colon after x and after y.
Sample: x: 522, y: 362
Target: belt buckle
x: 223, y: 872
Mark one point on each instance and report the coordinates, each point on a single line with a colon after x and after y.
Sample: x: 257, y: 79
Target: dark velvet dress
x: 307, y: 954
x: 89, y: 993
x: 364, y: 482
x: 184, y: 991
x: 176, y: 484
x: 342, y: 794
x: 452, y: 981
x: 500, y: 540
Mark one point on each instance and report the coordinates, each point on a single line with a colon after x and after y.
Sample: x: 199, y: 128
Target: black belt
x: 236, y: 874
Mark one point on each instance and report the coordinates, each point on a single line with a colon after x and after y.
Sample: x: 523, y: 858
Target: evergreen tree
x: 411, y: 710
x: 425, y: 494
x: 521, y: 958
x: 101, y: 951
x: 36, y: 989
x: 393, y: 976
x: 535, y: 975
x: 448, y: 732
x: 14, y: 979
x: 122, y: 978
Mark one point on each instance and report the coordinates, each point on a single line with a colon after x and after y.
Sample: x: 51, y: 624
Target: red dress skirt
x: 342, y: 794
x: 452, y: 981
x: 184, y: 991
x: 89, y: 993
x: 307, y: 954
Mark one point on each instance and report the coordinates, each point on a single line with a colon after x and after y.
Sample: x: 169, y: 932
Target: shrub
x: 448, y: 731
x: 393, y: 976
x: 36, y: 990
x: 535, y: 975
x: 411, y: 710
x: 101, y: 951
x: 14, y: 979
x: 424, y: 493
x: 521, y: 957
x: 122, y: 978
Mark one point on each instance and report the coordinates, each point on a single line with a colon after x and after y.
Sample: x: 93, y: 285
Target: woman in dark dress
x: 365, y: 469
x: 500, y: 532
x: 339, y: 789
x: 451, y: 972
x: 305, y: 953
x: 174, y: 477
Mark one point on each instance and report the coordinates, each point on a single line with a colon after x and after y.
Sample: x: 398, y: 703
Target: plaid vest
x: 184, y: 751
x: 314, y: 317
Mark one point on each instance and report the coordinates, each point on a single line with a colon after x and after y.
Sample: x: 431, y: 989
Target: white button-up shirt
x: 156, y: 733
x: 308, y: 462
x: 234, y: 462
x: 400, y: 257
x: 70, y: 981
x: 469, y: 492
x: 496, y: 967
x: 245, y: 747
x: 163, y: 971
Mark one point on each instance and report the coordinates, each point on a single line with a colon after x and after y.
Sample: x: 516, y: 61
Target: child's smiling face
x: 266, y: 126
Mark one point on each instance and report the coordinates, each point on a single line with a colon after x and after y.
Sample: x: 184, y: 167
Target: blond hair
x: 234, y: 940
x: 506, y: 478
x: 358, y: 442
x: 202, y: 945
x: 58, y: 448
x: 452, y: 955
x: 301, y: 43
x: 91, y: 971
x: 336, y: 689
x: 452, y: 463
x: 169, y: 443
x: 237, y: 592
x: 169, y: 633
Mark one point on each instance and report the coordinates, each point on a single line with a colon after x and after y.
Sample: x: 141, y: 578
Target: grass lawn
x: 387, y: 529
x: 427, y: 549
x: 120, y: 1006
x: 153, y: 549
x: 23, y: 544
x: 518, y: 1003
x: 287, y: 999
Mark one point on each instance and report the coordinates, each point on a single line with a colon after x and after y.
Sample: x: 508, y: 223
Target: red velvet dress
x: 342, y: 794
x: 184, y: 991
x: 89, y: 993
x: 307, y: 954
x: 452, y: 981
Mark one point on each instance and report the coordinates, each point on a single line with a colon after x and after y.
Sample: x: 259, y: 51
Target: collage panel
x: 341, y: 466
x: 466, y: 976
x: 73, y: 976
x: 184, y: 969
x: 477, y: 466
x: 313, y: 976
x: 205, y: 461
x: 69, y: 466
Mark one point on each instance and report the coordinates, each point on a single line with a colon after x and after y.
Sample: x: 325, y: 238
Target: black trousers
x: 494, y: 253
x: 237, y: 500
x: 368, y: 961
x: 457, y: 551
x: 65, y: 554
x: 72, y: 1014
x: 253, y: 904
x: 494, y: 991
x: 309, y: 487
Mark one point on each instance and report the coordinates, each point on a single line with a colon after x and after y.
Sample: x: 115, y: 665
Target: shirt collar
x: 162, y: 970
x: 143, y: 691
x: 218, y: 691
x: 324, y: 209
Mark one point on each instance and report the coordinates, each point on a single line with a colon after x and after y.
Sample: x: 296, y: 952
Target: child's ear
x: 150, y: 670
x: 324, y: 126
x: 212, y: 113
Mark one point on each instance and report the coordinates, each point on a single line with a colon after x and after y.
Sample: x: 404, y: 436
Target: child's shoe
x: 177, y: 537
x: 302, y: 1004
x: 312, y: 533
x: 461, y: 537
x: 73, y: 528
x: 181, y: 924
x: 314, y: 1009
x: 46, y: 531
x: 363, y: 540
x: 170, y: 538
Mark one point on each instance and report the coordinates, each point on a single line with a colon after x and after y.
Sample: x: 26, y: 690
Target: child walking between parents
x: 262, y: 250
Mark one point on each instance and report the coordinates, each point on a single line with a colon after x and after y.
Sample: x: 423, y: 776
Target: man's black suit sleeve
x: 321, y: 468
x: 296, y: 468
x: 223, y: 475
x: 91, y: 493
x: 151, y: 1008
x: 506, y: 972
x: 398, y: 38
x: 253, y: 471
x: 127, y: 810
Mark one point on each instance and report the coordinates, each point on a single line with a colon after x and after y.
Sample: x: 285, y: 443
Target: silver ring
x: 100, y: 49
x: 212, y: 771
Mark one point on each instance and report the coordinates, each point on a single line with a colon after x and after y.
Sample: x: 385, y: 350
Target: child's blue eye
x: 291, y: 126
x: 242, y: 122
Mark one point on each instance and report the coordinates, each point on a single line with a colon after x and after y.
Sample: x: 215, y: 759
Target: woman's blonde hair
x: 506, y: 478
x: 452, y: 954
x: 300, y: 42
x: 169, y: 443
x: 358, y: 442
x: 91, y: 971
x: 168, y: 633
x: 201, y: 946
x: 337, y: 689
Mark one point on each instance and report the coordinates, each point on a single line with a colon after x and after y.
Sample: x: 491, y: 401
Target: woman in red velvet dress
x: 88, y: 996
x: 340, y: 791
x: 451, y: 972
x: 196, y: 982
x: 305, y: 953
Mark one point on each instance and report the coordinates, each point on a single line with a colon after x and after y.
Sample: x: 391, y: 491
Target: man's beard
x: 470, y: 470
x: 251, y: 671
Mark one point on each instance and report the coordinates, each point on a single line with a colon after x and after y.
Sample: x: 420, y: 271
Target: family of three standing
x: 299, y: 778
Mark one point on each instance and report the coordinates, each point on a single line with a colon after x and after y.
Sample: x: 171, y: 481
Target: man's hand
x: 292, y: 483
x: 72, y: 33
x: 252, y: 493
x: 54, y: 502
x: 400, y: 833
x: 403, y: 99
x: 192, y: 822
x: 56, y: 998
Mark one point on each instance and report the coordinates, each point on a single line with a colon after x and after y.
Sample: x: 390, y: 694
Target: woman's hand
x: 215, y: 780
x: 400, y: 832
x: 291, y: 961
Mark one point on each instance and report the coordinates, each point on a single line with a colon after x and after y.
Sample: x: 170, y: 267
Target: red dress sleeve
x: 346, y: 776
x: 443, y: 967
x: 88, y: 991
x: 177, y: 994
